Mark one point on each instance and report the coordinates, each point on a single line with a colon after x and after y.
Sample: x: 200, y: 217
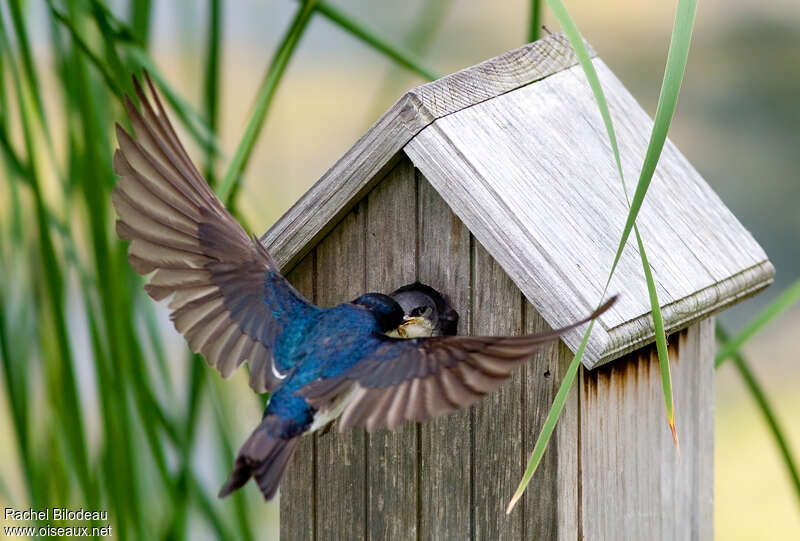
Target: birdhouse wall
x: 451, y: 478
x: 634, y: 481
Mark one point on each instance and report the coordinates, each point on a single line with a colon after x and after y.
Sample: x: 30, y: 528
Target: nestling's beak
x: 413, y: 327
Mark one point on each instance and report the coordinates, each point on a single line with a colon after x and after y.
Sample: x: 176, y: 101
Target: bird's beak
x: 414, y: 327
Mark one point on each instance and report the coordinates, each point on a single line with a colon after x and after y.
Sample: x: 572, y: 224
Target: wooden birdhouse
x: 497, y: 186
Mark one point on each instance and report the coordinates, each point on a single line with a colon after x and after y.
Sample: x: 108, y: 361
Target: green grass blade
x: 115, y: 463
x: 143, y: 415
x: 199, y: 374
x: 211, y: 82
x: 14, y: 162
x: 209, y: 509
x: 193, y: 121
x: 673, y: 77
x: 18, y: 22
x: 661, y: 340
x: 16, y: 168
x: 571, y: 30
x: 113, y: 414
x: 376, y: 41
x: 109, y: 46
x: 228, y: 454
x: 156, y: 344
x: 764, y: 406
x: 33, y: 85
x: 535, y: 20
x: 95, y: 60
x: 196, y: 364
x: 70, y: 408
x: 785, y: 300
x: 263, y: 100
x: 655, y: 306
x: 551, y: 420
x: 418, y: 40
x: 667, y: 101
x: 16, y: 388
x: 140, y: 12
x: 121, y: 31
x: 94, y: 182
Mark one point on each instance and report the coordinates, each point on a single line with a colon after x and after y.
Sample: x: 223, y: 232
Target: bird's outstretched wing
x: 228, y: 298
x: 415, y: 380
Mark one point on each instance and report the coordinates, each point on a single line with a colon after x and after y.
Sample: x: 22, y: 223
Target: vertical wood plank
x: 497, y: 418
x: 445, y: 443
x: 634, y: 483
x: 550, y: 505
x: 392, y: 455
x: 687, y: 489
x: 297, y: 486
x: 566, y: 438
x: 341, y: 458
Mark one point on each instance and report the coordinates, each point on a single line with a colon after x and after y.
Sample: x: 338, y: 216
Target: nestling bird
x: 231, y: 303
x: 426, y: 312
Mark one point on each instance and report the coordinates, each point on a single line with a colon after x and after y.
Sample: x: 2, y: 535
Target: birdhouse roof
x: 517, y: 148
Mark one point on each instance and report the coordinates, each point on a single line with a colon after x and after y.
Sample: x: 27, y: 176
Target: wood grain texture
x: 634, y: 483
x: 610, y: 470
x: 342, y: 458
x: 497, y: 419
x: 445, y: 443
x: 532, y: 176
x: 297, y: 497
x: 392, y: 461
x: 350, y: 178
x: 498, y: 75
x: 550, y: 505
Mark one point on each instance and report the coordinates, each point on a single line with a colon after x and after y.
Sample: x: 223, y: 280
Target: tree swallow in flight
x: 231, y: 303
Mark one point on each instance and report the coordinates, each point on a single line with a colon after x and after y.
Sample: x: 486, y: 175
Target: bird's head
x: 385, y: 309
x: 427, y: 312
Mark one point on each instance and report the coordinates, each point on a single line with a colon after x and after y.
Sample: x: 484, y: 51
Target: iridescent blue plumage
x: 326, y: 343
x: 314, y: 345
x: 228, y: 298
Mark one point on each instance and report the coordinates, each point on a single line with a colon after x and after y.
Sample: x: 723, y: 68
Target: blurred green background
x: 738, y: 122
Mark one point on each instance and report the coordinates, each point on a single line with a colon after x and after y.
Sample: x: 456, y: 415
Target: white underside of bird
x: 413, y: 327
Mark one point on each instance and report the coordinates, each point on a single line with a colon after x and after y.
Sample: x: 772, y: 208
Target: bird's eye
x: 421, y: 311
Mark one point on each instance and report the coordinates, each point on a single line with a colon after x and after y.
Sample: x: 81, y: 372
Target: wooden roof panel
x: 528, y: 168
x: 355, y: 173
x: 532, y: 175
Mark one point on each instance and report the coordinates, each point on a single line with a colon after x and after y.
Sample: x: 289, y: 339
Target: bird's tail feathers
x: 264, y: 458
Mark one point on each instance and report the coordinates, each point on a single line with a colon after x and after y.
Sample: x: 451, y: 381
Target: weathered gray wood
x: 550, y: 506
x: 297, y: 487
x: 341, y: 458
x: 392, y: 461
x: 604, y: 474
x: 497, y: 448
x: 531, y: 174
x: 529, y: 171
x: 634, y: 484
x: 498, y: 75
x: 445, y: 443
x: 342, y: 186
